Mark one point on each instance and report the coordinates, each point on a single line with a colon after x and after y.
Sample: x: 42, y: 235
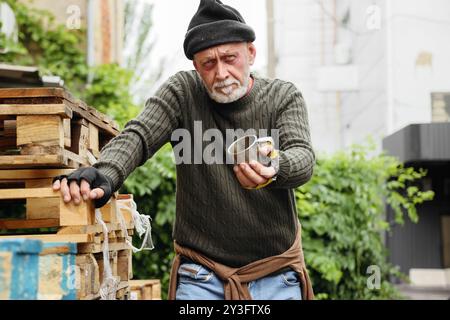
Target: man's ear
x: 251, y: 53
x: 195, y: 64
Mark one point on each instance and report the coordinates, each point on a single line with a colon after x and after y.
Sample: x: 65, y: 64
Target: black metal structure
x: 424, y: 146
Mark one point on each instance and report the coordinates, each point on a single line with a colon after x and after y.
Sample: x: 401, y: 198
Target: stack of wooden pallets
x: 47, y: 127
x: 45, y: 132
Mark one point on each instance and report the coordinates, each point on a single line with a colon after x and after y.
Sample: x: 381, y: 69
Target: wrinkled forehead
x: 220, y: 50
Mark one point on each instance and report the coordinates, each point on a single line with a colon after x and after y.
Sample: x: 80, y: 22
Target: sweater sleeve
x: 144, y: 135
x: 296, y: 159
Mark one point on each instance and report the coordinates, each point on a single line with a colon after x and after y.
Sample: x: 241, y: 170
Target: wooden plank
x: 89, y: 276
x: 61, y: 110
x: 124, y: 265
x: 34, y: 92
x: 140, y: 283
x: 83, y: 142
x: 94, y: 228
x: 8, y: 134
x: 75, y: 158
x: 69, y: 213
x: 76, y: 215
x: 123, y: 293
x: 47, y: 208
x: 93, y: 140
x: 38, y: 160
x: 10, y: 127
x: 37, y: 193
x: 24, y: 174
x: 156, y: 291
x: 146, y: 289
x: 109, y: 212
x: 28, y: 224
x: 112, y: 261
x: 97, y: 248
x: 35, y: 149
x: 76, y: 238
x: 80, y: 137
x: 109, y: 130
x: 67, y: 134
x: 55, y: 250
x: 40, y: 130
x: 77, y: 106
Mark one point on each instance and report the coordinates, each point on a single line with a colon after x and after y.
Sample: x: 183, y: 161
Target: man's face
x: 225, y: 70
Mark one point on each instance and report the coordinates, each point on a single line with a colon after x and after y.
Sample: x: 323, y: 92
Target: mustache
x: 225, y: 83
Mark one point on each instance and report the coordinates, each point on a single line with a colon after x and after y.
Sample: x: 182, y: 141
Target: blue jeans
x: 196, y: 282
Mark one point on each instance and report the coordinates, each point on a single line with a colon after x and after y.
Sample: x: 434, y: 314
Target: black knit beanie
x: 215, y: 23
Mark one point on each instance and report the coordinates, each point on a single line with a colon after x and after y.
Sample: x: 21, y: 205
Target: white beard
x: 223, y: 92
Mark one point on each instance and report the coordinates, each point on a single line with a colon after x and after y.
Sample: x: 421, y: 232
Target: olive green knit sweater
x: 214, y: 213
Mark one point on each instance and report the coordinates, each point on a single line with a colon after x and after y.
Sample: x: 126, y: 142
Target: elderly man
x: 236, y: 232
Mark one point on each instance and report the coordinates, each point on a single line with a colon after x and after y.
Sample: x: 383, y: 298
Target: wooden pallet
x: 90, y: 273
x: 145, y: 289
x: 45, y: 207
x: 71, y: 223
x: 89, y: 266
x: 47, y: 127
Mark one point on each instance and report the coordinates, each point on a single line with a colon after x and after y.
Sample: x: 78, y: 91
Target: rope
x: 141, y: 224
x: 108, y: 288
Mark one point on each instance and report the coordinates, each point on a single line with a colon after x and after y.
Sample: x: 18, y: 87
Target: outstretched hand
x: 252, y: 174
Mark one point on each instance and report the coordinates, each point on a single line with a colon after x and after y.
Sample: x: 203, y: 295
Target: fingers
x: 56, y: 185
x: 243, y: 180
x: 97, y: 193
x: 65, y: 190
x: 251, y: 174
x: 248, y: 177
x: 263, y: 171
x: 75, y: 192
x: 265, y: 149
x: 85, y: 189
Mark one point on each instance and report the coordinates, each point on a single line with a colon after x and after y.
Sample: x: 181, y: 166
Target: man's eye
x: 208, y: 64
x: 230, y: 58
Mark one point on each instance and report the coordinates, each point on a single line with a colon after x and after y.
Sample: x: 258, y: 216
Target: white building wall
x: 400, y: 64
x: 364, y: 111
x: 421, y: 57
x: 303, y: 38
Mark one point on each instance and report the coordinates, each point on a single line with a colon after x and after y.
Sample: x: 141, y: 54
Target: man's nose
x: 222, y: 72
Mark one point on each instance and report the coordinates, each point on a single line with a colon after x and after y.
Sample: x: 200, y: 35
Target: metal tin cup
x: 247, y: 148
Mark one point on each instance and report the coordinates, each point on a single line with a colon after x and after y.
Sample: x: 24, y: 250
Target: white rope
x: 142, y: 226
x: 108, y: 288
x: 141, y: 221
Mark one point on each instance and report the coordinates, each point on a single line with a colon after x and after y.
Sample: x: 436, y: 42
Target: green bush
x: 342, y: 211
x: 109, y: 92
x: 153, y: 187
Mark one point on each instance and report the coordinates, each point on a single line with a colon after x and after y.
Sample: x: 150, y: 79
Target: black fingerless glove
x: 95, y: 180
